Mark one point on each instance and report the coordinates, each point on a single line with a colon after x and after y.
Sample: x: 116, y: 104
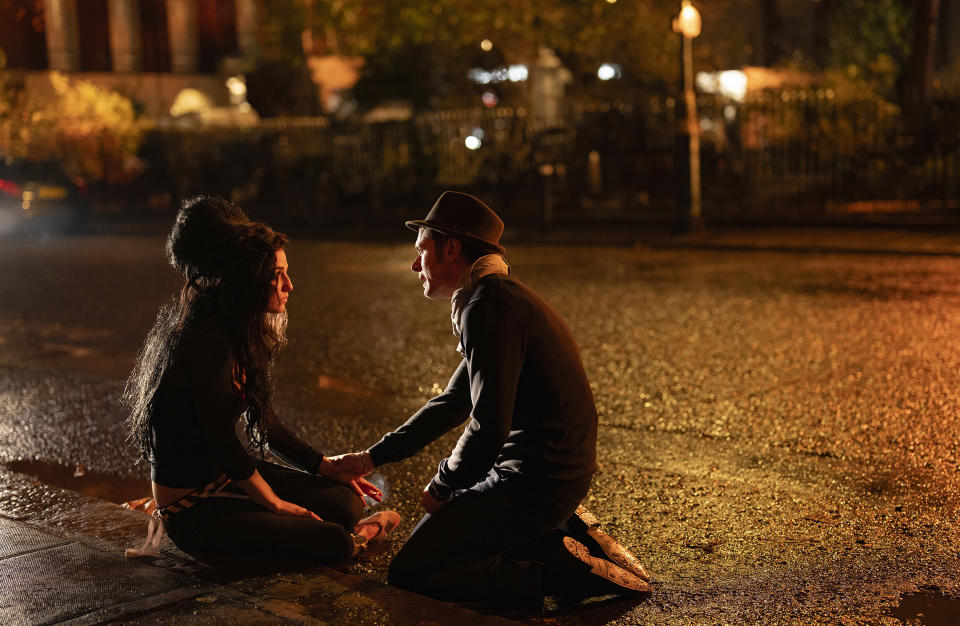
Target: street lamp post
x: 688, y: 24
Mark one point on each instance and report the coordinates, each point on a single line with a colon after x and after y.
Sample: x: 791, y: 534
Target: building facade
x: 149, y: 50
x: 177, y: 36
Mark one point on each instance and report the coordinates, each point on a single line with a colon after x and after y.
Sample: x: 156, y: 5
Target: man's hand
x: 349, y: 469
x: 355, y: 463
x: 429, y: 502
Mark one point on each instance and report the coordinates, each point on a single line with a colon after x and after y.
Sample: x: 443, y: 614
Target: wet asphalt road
x: 779, y: 432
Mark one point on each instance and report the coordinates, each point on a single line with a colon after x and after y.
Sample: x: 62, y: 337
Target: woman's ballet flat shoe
x: 385, y: 521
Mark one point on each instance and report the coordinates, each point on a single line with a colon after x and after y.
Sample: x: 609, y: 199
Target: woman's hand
x: 289, y: 509
x: 360, y: 486
x: 369, y: 489
x: 261, y: 493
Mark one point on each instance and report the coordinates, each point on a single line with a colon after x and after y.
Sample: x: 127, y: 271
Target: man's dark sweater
x: 523, y: 387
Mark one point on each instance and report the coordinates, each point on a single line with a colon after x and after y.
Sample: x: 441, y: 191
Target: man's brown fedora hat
x: 462, y: 216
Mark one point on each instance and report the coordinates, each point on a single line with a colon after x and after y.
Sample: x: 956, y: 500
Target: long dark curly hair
x: 228, y: 263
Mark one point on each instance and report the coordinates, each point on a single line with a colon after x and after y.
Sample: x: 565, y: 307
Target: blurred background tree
x: 422, y: 53
x: 878, y: 48
x: 869, y: 43
x: 92, y: 131
x: 926, y: 15
x: 279, y: 81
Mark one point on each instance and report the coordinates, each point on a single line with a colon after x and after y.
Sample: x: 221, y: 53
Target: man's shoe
x: 610, y: 546
x: 578, y: 572
x: 589, y: 519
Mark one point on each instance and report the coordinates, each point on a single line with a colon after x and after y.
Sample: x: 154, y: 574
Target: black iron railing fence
x: 804, y: 155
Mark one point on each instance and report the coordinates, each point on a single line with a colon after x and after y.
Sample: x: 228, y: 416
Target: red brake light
x: 10, y: 188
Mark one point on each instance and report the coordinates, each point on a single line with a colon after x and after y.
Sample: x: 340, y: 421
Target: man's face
x: 439, y: 270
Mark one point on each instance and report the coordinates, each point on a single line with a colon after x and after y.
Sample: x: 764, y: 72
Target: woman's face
x: 280, y: 285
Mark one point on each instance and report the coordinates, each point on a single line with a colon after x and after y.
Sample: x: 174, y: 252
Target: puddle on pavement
x: 927, y: 607
x: 77, y: 478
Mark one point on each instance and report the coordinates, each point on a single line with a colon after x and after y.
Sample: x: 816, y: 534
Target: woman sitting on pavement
x: 204, y: 365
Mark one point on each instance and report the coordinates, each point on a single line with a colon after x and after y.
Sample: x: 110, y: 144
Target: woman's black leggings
x: 240, y: 526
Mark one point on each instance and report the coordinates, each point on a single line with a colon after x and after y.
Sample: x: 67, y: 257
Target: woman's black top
x: 197, y: 407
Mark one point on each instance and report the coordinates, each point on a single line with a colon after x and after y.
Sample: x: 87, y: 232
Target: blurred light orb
x: 236, y: 86
x: 707, y: 82
x: 608, y: 71
x: 486, y: 45
x: 733, y: 84
x: 479, y: 76
x: 190, y: 101
x: 472, y: 143
x: 688, y: 23
x: 611, y: 1
x: 514, y: 73
x: 517, y: 73
x: 730, y: 83
x: 477, y: 132
x: 489, y: 99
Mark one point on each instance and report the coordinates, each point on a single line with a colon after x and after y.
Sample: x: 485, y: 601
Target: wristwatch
x: 438, y: 492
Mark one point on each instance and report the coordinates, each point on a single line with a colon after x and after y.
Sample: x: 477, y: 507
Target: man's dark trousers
x: 489, y: 542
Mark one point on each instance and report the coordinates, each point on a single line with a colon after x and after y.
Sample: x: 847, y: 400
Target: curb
x: 181, y: 589
x: 784, y: 248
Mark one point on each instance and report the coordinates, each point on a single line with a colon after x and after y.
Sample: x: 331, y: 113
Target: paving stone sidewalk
x: 61, y: 561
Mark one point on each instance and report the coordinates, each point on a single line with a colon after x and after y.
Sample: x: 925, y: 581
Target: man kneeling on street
x: 504, y: 523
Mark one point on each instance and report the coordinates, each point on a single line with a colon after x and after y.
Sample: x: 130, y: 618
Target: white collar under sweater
x: 484, y: 266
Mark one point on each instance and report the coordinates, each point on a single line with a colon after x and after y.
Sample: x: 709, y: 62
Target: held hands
x: 349, y: 469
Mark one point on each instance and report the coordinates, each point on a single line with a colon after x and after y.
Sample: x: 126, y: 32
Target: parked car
x: 40, y: 196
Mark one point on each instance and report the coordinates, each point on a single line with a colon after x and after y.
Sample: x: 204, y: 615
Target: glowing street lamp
x: 688, y: 25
